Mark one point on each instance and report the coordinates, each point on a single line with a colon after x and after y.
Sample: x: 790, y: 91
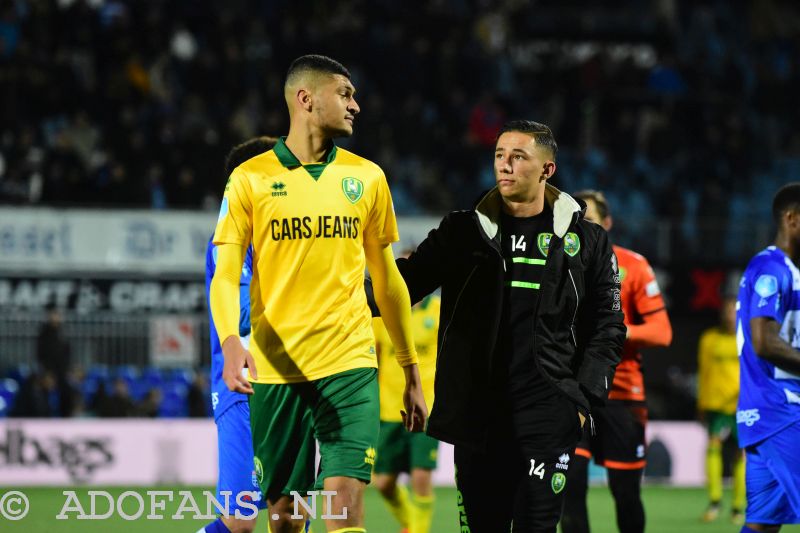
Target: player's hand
x: 581, y: 418
x: 416, y: 412
x: 236, y: 358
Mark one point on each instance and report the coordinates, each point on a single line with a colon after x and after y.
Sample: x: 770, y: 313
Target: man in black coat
x: 530, y: 334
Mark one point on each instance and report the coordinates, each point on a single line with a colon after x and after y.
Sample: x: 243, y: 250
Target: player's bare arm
x: 224, y: 294
x: 769, y: 345
x: 391, y: 295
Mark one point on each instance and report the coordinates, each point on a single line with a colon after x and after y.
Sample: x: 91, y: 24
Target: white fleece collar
x: 562, y: 204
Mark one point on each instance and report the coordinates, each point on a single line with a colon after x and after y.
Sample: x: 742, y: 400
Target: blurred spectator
x: 38, y: 397
x: 198, y: 396
x: 53, y: 353
x: 118, y: 404
x: 150, y: 404
x: 138, y: 103
x: 52, y: 348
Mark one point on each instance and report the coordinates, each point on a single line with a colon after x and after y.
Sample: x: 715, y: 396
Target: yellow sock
x: 421, y: 514
x: 400, y: 507
x: 714, y: 472
x: 739, y: 493
x: 350, y: 530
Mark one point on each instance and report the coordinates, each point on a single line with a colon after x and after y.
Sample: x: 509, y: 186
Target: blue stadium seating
x: 8, y: 393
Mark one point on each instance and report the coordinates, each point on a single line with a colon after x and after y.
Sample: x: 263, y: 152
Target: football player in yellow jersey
x: 317, y: 215
x: 717, y: 393
x: 398, y: 450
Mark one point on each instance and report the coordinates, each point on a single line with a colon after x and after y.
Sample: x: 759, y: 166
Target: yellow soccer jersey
x: 718, y: 372
x: 425, y: 324
x: 308, y: 225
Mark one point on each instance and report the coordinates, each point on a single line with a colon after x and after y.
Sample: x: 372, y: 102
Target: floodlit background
x: 115, y: 118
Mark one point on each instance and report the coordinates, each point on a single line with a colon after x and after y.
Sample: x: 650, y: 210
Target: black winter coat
x: 578, y: 329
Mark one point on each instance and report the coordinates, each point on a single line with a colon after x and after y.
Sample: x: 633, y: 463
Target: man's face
x: 591, y: 211
x: 593, y: 215
x: 520, y: 166
x: 335, y: 106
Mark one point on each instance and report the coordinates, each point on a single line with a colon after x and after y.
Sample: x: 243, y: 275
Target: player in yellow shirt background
x: 717, y: 394
x: 316, y: 215
x: 398, y: 450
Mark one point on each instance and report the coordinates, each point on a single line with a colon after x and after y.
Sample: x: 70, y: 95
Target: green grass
x: 668, y: 511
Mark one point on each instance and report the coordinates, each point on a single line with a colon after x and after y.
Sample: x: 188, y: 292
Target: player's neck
x: 524, y: 209
x: 783, y: 242
x: 306, y: 145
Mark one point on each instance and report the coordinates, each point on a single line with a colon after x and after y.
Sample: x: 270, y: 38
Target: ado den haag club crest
x: 572, y: 243
x: 353, y: 189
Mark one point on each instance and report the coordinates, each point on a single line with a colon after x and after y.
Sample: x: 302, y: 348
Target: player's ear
x: 548, y: 169
x: 608, y: 222
x: 304, y: 99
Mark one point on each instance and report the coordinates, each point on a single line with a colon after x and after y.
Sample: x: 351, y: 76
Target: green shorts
x: 721, y: 425
x: 341, y: 412
x: 401, y: 451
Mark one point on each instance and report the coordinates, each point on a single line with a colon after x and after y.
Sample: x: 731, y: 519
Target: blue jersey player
x: 768, y: 335
x: 237, y: 472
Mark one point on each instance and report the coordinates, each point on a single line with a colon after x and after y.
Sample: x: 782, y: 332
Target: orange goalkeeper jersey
x: 641, y: 298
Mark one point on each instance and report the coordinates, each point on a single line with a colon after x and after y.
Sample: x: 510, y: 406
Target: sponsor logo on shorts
x: 370, y: 456
x: 558, y: 482
x: 748, y: 417
x: 563, y: 462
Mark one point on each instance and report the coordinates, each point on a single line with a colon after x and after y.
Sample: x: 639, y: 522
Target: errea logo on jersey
x: 278, y: 189
x: 563, y: 462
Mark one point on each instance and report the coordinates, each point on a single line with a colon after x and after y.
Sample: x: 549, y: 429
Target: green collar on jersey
x: 290, y: 161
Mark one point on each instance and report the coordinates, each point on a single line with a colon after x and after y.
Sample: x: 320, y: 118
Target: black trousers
x: 520, y: 478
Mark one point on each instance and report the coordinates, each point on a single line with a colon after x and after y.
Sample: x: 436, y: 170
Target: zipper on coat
x: 575, y: 312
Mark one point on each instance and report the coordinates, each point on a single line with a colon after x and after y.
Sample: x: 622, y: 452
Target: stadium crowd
x: 666, y: 105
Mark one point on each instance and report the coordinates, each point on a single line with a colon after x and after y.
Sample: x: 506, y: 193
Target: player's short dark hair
x: 787, y: 198
x: 315, y: 63
x: 540, y: 132
x: 247, y: 150
x: 599, y: 200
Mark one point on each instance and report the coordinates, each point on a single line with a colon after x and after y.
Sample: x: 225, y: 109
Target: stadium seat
x: 8, y: 393
x: 181, y: 376
x: 173, y: 404
x: 19, y: 373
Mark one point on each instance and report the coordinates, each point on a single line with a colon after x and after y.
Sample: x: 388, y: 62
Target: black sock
x: 626, y: 487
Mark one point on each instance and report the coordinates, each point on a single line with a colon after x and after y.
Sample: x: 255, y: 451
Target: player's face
x: 591, y: 211
x: 335, y: 106
x: 520, y: 166
x: 593, y: 215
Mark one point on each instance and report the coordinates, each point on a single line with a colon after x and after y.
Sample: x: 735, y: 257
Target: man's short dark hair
x: 540, y: 132
x: 599, y: 199
x: 247, y: 150
x: 787, y: 198
x: 316, y: 63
